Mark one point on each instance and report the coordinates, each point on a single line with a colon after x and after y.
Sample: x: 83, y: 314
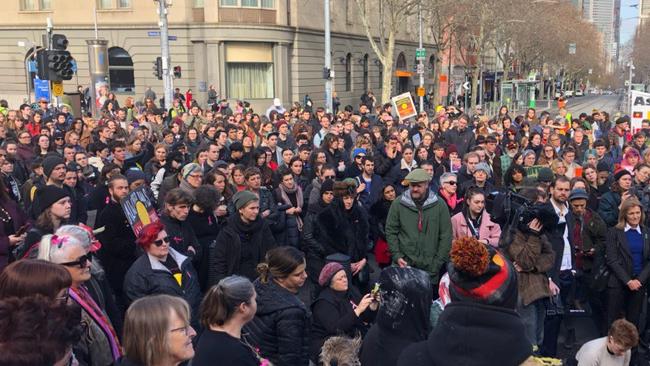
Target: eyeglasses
x: 329, y: 177
x: 185, y: 329
x: 451, y: 182
x: 197, y: 176
x: 82, y: 262
x: 160, y: 242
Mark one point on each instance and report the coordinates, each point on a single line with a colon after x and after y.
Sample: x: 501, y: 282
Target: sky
x: 628, y: 26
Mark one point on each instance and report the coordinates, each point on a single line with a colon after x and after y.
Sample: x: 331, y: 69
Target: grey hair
x: 74, y: 236
x: 445, y: 177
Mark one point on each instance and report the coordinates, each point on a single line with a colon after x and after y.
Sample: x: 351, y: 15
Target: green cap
x: 418, y: 176
x: 241, y: 198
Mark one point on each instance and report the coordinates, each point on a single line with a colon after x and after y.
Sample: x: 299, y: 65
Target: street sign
x: 420, y: 53
x: 42, y: 89
x: 157, y: 34
x: 572, y: 48
x: 466, y: 85
x: 31, y: 65
x: 420, y: 91
x: 57, y: 88
x: 419, y: 68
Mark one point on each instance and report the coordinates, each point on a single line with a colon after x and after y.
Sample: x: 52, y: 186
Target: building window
x: 250, y: 80
x: 120, y: 70
x: 104, y: 4
x: 264, y: 4
x: 198, y: 3
x: 35, y: 5
x: 348, y: 72
x: 113, y: 4
x: 123, y: 4
x: 366, y: 86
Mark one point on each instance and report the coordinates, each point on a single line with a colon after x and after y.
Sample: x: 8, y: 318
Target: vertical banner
x: 139, y: 209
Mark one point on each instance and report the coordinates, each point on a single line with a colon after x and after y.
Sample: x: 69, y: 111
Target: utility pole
x: 164, y: 51
x: 629, y: 86
x: 449, y: 88
x: 327, y: 71
x: 421, y: 58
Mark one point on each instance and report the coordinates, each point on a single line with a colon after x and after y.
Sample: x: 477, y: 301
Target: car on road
x: 568, y: 93
x: 558, y: 94
x: 608, y: 92
x: 579, y: 93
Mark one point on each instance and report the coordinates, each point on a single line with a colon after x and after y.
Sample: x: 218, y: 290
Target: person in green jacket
x: 418, y: 227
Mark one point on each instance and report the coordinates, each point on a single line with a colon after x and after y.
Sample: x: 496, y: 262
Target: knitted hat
x: 328, y: 271
x: 46, y: 196
x: 345, y: 188
x: 327, y: 186
x: 133, y: 175
x: 483, y: 166
x: 357, y: 151
x: 51, y: 162
x: 479, y: 273
x: 451, y: 149
x: 545, y: 175
x: 602, y: 166
x: 242, y: 198
x: 190, y: 168
x: 280, y: 123
x: 578, y: 194
x: 621, y: 173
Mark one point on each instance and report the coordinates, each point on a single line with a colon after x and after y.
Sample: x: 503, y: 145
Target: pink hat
x: 328, y: 271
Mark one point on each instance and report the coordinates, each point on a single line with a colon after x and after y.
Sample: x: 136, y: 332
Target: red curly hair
x: 149, y: 234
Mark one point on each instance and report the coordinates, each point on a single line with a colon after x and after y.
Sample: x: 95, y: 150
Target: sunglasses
x: 82, y: 262
x: 451, y: 183
x: 160, y: 242
x: 329, y: 177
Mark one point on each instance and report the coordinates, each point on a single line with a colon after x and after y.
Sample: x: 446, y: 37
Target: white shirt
x: 594, y: 353
x: 566, y: 252
x: 637, y: 228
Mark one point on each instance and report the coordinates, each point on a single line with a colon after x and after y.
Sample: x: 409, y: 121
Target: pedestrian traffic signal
x: 54, y: 65
x: 177, y: 72
x: 158, y: 69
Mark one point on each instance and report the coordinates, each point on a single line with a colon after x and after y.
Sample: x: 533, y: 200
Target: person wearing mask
x: 610, y: 203
x: 474, y: 220
x: 162, y: 270
x: 182, y: 236
x: 226, y: 308
x: 614, y: 349
x: 119, y: 249
x: 99, y: 344
x: 157, y: 332
x: 480, y: 320
x: 628, y: 258
x: 398, y: 325
x: 281, y: 326
x: 243, y: 243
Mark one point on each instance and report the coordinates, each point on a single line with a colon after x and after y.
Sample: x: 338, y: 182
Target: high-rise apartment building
x: 605, y: 15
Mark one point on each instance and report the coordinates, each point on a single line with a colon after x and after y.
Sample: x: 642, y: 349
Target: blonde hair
x: 625, y: 207
x: 146, y: 327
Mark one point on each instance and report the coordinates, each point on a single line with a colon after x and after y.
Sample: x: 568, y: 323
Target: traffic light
x: 177, y: 72
x: 54, y: 65
x: 158, y: 69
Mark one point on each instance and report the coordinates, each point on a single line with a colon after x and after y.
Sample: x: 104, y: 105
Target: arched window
x: 401, y: 62
x: 365, y: 73
x: 348, y: 72
x: 120, y: 69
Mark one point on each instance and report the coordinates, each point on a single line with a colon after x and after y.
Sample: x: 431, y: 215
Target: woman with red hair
x: 162, y: 270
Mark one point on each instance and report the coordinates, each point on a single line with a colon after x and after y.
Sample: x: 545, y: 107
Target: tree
x: 441, y: 24
x: 641, y: 53
x: 393, y: 14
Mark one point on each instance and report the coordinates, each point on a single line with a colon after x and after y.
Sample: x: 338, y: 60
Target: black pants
x: 624, y: 303
x: 553, y: 323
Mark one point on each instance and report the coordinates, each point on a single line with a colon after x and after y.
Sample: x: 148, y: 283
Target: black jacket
x: 463, y: 140
x: 471, y: 334
x: 206, y: 227
x: 281, y: 326
x: 148, y: 276
x: 368, y: 199
x: 236, y: 243
x: 314, y: 252
x: 343, y: 231
x: 619, y: 258
x: 384, y: 164
x: 118, y: 251
x: 181, y: 236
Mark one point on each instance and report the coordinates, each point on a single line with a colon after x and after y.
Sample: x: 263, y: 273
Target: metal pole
x: 95, y: 16
x: 629, y: 87
x: 451, y: 45
x: 164, y: 48
x: 421, y: 69
x: 27, y: 74
x: 328, y: 58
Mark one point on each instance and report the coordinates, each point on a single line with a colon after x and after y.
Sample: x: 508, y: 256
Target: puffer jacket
x: 421, y: 236
x: 147, y: 276
x: 281, y: 327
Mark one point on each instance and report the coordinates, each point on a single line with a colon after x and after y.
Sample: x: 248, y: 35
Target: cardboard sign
x: 404, y: 106
x: 640, y: 109
x: 139, y: 209
x: 533, y: 171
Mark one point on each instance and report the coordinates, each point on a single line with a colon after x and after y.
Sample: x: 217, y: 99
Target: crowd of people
x: 297, y: 236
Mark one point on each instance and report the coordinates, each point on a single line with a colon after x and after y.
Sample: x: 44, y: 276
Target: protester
x: 613, y: 349
x: 474, y: 221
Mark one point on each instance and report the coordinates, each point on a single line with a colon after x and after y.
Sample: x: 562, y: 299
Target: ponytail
x: 223, y: 299
x: 263, y: 270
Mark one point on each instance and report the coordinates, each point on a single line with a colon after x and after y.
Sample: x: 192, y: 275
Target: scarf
x: 83, y: 298
x: 186, y: 187
x: 284, y: 195
x: 452, y: 200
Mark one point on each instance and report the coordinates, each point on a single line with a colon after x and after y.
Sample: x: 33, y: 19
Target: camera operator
x: 532, y: 256
x: 587, y: 234
x: 610, y: 202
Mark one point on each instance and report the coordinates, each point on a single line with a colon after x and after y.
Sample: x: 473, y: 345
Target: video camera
x: 515, y: 211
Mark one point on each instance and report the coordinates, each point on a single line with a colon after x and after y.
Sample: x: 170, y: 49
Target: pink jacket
x: 489, y: 230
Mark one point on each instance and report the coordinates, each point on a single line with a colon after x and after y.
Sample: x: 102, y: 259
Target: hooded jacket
x: 419, y: 235
x: 281, y: 327
x: 472, y: 334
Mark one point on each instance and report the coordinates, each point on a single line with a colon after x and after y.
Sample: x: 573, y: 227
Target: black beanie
x: 602, y: 167
x: 50, y: 162
x: 48, y: 195
x: 327, y: 186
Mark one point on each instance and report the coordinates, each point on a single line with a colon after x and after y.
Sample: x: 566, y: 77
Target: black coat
x: 206, y: 227
x: 619, y: 258
x: 343, y: 232
x: 281, y: 326
x: 334, y: 315
x: 181, y: 236
x: 226, y: 258
x: 314, y: 252
x: 118, y: 251
x: 149, y: 277
x: 471, y: 334
x: 369, y: 198
x: 463, y: 140
x: 384, y: 164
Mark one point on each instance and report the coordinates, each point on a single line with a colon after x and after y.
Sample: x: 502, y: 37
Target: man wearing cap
x: 276, y: 107
x: 618, y: 137
x: 418, y: 227
x: 587, y: 235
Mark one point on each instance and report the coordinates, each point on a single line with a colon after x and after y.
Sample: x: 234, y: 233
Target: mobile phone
x: 22, y: 230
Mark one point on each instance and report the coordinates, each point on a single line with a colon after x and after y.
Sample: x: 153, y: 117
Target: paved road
x: 586, y: 104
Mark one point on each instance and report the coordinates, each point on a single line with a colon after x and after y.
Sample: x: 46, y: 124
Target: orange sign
x: 404, y: 106
x: 443, y: 78
x: 420, y: 91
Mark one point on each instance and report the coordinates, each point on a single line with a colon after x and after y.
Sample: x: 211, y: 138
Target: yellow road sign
x: 57, y: 88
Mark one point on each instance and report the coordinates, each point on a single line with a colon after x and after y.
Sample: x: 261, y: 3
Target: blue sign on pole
x: 153, y: 34
x: 42, y: 89
x: 73, y: 63
x: 31, y: 66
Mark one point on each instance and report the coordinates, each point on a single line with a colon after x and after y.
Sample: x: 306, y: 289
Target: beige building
x: 248, y: 49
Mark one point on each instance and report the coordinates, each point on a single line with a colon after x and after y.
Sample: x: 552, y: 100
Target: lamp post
x: 164, y: 50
